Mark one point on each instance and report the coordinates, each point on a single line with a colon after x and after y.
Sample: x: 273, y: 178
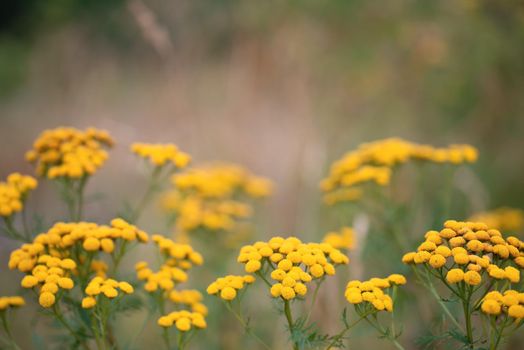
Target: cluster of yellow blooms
x: 343, y: 239
x: 7, y: 302
x: 191, y: 298
x: 50, y: 274
x: 373, y: 162
x: 292, y: 263
x: 109, y: 287
x: 211, y: 197
x: 69, y: 152
x: 178, y: 258
x: 229, y: 285
x: 468, y: 252
x: 504, y: 219
x: 161, y: 154
x: 13, y: 193
x: 374, y: 291
x: 183, y: 320
x: 53, y: 255
x: 510, y: 302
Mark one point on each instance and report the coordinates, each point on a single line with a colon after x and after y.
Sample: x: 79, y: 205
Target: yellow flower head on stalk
x: 344, y: 239
x: 49, y: 275
x: 13, y: 193
x: 291, y: 263
x: 373, y: 163
x: 11, y: 302
x: 227, y: 287
x: 161, y: 154
x: 510, y: 302
x: 374, y: 294
x: 213, y: 198
x: 54, y: 259
x: 100, y: 287
x: 177, y: 259
x: 183, y: 320
x: 69, y: 152
x: 470, y: 253
x: 504, y: 219
x: 190, y: 298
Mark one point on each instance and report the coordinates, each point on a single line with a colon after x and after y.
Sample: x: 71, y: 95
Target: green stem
x: 289, y: 317
x: 12, y: 231
x: 247, y: 328
x: 429, y: 286
x: 150, y: 191
x: 313, y: 301
x: 467, y: 316
x: 80, y: 199
x: 10, y: 337
x: 60, y: 318
x: 341, y: 334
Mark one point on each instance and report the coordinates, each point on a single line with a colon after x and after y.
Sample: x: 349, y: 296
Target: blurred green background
x: 282, y: 87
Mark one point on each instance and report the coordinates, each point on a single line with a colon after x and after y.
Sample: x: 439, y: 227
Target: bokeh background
x: 282, y: 87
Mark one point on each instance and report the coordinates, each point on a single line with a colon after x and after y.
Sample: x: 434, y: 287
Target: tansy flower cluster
x: 100, y: 287
x: 291, y: 263
x: 161, y: 154
x: 213, y: 197
x: 374, y: 293
x: 227, y: 287
x: 60, y: 240
x: 511, y: 302
x: 177, y: 258
x: 373, y: 163
x: 13, y: 193
x: 504, y: 219
x: 69, y: 152
x: 468, y: 252
x: 343, y: 239
x: 183, y: 320
x: 190, y: 298
x: 10, y: 302
x: 49, y: 276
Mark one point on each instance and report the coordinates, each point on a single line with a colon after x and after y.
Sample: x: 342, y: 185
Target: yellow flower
x: 161, y: 154
x: 183, y: 324
x: 491, y: 307
x: 455, y: 275
x: 6, y: 302
x: 69, y: 152
x: 13, y: 193
x: 228, y: 293
x: 437, y: 261
x: 46, y: 299
x: 165, y: 321
x: 88, y: 302
x: 516, y: 311
x: 472, y: 278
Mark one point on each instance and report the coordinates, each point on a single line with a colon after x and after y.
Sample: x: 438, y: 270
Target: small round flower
x: 253, y: 266
x: 288, y: 293
x: 91, y: 244
x: 228, y: 293
x: 125, y: 287
x: 397, y: 279
x: 491, y: 307
x: 316, y: 271
x: 46, y: 299
x: 516, y: 311
x: 29, y: 281
x: 455, y: 275
x: 165, y: 321
x: 437, y: 261
x: 276, y: 290
x: 68, y: 264
x: 300, y: 289
x: 472, y: 278
x: 183, y: 324
x: 88, y: 302
x: 66, y: 283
